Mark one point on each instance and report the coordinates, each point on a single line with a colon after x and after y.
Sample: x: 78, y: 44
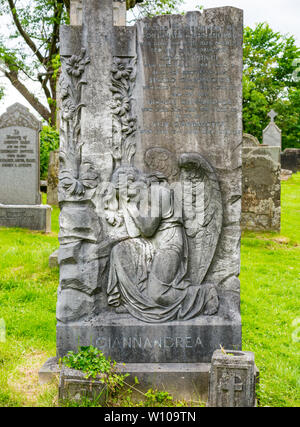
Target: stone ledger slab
x: 33, y: 217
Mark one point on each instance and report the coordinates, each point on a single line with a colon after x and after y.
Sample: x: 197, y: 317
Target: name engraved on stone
x: 148, y: 343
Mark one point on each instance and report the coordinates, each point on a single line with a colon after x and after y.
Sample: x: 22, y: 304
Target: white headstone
x: 272, y: 133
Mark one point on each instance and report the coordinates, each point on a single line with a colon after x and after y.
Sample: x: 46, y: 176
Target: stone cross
x: 272, y: 114
x: 231, y: 384
x: 272, y: 133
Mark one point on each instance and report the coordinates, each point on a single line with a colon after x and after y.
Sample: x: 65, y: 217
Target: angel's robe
x: 148, y: 271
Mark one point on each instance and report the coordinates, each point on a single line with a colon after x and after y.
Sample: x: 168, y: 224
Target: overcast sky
x: 281, y: 15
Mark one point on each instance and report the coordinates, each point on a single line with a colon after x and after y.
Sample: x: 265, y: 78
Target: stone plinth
x: 128, y: 340
x: 233, y: 379
x: 33, y: 217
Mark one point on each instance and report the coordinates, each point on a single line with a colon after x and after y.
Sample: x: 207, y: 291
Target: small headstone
x: 290, y: 159
x: 272, y: 133
x: 233, y: 379
x: 20, y: 171
x: 53, y: 259
x: 261, y: 200
x: 250, y: 140
x: 53, y: 171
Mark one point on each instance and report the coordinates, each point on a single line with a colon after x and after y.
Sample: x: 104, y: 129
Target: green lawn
x: 270, y: 289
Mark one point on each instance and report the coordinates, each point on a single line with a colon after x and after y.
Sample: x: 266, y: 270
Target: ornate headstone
x: 150, y: 185
x: 272, y: 133
x: 20, y: 200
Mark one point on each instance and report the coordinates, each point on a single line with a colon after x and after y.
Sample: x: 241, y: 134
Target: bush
x: 49, y: 141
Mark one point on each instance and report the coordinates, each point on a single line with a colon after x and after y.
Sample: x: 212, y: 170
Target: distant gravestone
x: 20, y: 199
x: 272, y: 133
x: 261, y: 200
x: 290, y: 159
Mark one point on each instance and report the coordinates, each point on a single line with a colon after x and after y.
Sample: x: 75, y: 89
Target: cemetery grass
x: 270, y: 299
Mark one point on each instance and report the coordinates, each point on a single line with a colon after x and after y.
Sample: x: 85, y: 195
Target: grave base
x: 188, y: 381
x: 33, y: 217
x: 128, y: 340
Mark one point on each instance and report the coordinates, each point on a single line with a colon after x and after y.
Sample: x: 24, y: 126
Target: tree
x: 31, y: 50
x: 269, y: 70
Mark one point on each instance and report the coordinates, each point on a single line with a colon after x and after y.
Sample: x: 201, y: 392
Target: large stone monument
x: 20, y: 199
x: 150, y: 188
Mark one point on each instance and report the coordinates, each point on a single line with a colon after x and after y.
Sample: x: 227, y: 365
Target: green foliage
x: 269, y: 82
x: 152, y: 8
x: 49, y: 141
x: 89, y: 360
x: 155, y: 397
x: 93, y: 363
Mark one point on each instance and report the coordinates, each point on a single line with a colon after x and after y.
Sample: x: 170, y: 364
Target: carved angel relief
x: 75, y: 177
x: 158, y: 268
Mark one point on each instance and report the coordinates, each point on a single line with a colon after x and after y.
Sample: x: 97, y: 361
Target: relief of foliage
x: 123, y: 75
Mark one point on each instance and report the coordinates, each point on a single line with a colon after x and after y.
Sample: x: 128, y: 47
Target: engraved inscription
x: 148, y: 343
x: 17, y: 151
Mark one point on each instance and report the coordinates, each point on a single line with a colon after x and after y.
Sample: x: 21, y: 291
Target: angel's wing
x: 202, y: 212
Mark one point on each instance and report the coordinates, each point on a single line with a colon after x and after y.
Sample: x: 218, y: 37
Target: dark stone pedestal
x: 33, y: 217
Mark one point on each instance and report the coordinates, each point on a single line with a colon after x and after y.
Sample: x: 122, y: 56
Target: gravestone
x: 272, y: 133
x: 52, y: 180
x: 290, y: 159
x: 20, y: 199
x: 158, y: 105
x: 261, y: 201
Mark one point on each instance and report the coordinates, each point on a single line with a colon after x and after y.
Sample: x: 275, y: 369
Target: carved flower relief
x: 121, y: 70
x: 120, y: 105
x: 88, y: 179
x: 128, y: 125
x: 75, y: 65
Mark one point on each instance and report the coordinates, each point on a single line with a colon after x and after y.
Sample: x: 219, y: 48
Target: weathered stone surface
x: 250, y: 141
x: 261, y: 207
x: 233, y: 379
x: 272, y: 133
x: 159, y: 103
x: 129, y: 340
x: 290, y: 159
x: 33, y: 217
x: 53, y: 172
x: 187, y: 382
x: 19, y: 157
x: 74, y: 386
